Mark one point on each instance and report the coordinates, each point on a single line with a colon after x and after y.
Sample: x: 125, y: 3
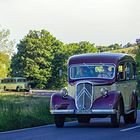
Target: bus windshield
x: 82, y: 71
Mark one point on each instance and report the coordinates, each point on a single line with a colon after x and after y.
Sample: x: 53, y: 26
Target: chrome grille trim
x: 84, y: 94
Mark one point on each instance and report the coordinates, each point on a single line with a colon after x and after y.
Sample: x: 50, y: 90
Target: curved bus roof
x: 99, y: 58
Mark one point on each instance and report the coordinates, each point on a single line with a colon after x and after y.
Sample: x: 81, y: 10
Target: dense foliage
x: 4, y: 65
x: 40, y: 56
x: 138, y: 67
x: 6, y: 51
x: 6, y: 45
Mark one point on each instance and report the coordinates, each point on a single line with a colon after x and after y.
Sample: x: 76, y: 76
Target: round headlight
x: 104, y: 91
x: 64, y: 92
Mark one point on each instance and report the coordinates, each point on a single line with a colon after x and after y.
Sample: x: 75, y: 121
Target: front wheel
x: 59, y: 120
x: 115, y: 118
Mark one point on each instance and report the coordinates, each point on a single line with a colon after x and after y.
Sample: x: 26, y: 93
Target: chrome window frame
x: 90, y: 64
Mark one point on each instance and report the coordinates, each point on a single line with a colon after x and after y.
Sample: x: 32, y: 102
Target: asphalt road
x: 98, y: 129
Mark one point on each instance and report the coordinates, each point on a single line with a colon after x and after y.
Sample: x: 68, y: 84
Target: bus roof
x: 98, y: 58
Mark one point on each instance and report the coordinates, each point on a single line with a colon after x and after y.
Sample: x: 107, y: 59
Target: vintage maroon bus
x: 99, y: 85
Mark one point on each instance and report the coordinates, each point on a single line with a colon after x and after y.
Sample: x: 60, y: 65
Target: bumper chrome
x: 93, y: 111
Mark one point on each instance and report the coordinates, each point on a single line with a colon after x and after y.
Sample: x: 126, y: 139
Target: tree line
x: 40, y: 56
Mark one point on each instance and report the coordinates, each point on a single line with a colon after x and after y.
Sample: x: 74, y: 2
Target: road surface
x: 98, y: 129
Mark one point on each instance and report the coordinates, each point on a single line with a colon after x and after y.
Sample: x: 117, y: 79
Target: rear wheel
x: 59, y: 120
x: 115, y: 118
x: 4, y: 88
x: 17, y: 89
x: 132, y: 117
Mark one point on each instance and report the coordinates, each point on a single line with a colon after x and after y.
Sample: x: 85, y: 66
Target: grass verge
x: 22, y: 111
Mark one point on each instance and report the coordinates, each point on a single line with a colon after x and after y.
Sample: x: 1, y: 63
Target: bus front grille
x: 84, y: 95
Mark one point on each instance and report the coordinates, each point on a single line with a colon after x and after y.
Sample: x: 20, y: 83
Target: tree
x: 34, y: 57
x: 58, y: 63
x: 138, y: 66
x: 6, y: 45
x: 6, y: 51
x: 114, y: 46
x: 4, y: 65
x: 80, y: 48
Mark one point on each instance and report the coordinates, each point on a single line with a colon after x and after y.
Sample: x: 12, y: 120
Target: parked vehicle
x: 99, y: 85
x: 14, y: 83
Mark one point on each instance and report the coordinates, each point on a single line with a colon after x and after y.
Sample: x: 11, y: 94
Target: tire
x: 5, y: 88
x: 115, y: 118
x: 83, y: 120
x: 17, y: 89
x: 59, y: 121
x: 132, y: 117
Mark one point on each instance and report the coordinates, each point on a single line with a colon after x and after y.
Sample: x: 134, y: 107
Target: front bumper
x: 93, y: 111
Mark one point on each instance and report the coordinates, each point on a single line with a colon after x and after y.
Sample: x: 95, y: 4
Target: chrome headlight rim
x: 64, y: 92
x: 104, y: 91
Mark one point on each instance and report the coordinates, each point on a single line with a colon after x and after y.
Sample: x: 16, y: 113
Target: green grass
x: 21, y: 111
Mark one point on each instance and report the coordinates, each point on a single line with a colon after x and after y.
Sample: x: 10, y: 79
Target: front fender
x: 58, y: 102
x: 107, y: 102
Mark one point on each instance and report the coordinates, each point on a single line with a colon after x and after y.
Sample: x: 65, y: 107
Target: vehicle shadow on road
x: 94, y: 123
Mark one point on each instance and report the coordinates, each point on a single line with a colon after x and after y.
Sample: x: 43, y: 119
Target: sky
x: 103, y: 22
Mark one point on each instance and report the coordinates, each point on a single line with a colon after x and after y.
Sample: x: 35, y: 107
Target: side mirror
x: 60, y: 73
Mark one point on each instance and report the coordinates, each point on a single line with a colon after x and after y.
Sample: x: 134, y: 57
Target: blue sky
x: 102, y: 22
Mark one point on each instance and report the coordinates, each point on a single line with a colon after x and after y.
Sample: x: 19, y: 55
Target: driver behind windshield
x: 83, y: 72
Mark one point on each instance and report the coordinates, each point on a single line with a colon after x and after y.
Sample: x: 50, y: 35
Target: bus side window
x: 121, y: 72
x: 130, y: 71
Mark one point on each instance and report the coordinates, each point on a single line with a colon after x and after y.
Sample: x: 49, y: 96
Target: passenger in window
x: 106, y: 73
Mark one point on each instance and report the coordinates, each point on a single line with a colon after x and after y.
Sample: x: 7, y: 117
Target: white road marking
x: 130, y: 128
x: 31, y: 128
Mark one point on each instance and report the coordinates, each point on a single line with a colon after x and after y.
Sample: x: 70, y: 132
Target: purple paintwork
x: 107, y: 102
x: 57, y: 102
